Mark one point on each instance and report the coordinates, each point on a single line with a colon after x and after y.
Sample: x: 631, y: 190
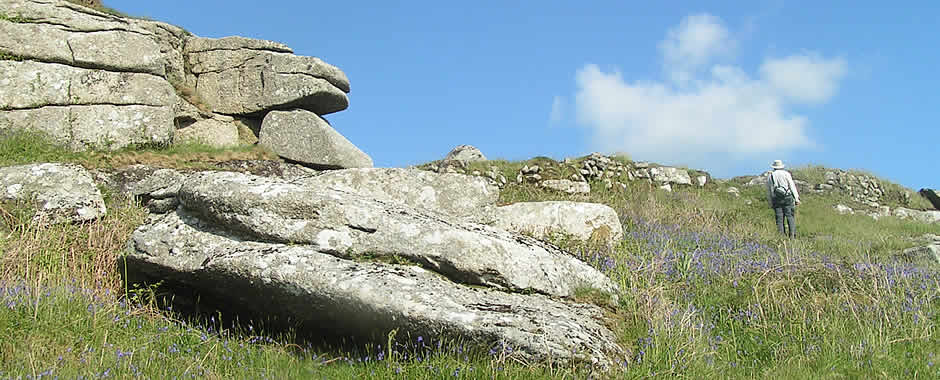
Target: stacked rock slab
x: 85, y: 78
x: 294, y: 251
x: 238, y: 76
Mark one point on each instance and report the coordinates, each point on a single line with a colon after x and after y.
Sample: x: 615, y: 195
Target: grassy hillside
x: 709, y: 290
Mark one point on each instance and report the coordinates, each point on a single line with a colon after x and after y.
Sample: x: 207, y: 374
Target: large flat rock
x: 580, y: 220
x: 457, y: 195
x: 304, y: 137
x: 61, y: 193
x: 322, y: 294
x: 348, y: 225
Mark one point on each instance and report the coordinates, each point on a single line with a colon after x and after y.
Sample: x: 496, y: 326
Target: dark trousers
x: 785, y: 212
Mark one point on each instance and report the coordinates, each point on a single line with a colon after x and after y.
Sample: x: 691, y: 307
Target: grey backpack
x: 781, y: 193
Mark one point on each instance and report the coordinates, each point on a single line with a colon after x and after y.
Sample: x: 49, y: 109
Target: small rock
x: 843, y: 209
x: 570, y: 187
x: 465, y: 153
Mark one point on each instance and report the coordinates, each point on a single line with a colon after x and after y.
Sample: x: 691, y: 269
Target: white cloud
x: 805, y: 78
x: 715, y: 112
x: 557, y: 112
x: 695, y: 42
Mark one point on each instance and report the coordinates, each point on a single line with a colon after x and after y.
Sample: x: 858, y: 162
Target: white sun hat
x: 778, y: 164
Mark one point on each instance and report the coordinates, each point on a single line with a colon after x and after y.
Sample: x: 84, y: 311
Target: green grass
x: 6, y: 56
x: 70, y: 332
x: 708, y: 290
x: 98, y: 6
x: 19, y: 147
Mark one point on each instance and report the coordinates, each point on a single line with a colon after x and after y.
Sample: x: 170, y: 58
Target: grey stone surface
x: 304, y: 137
x: 584, y: 221
x: 326, y: 294
x: 667, y: 175
x: 930, y: 216
x: 62, y: 193
x: 927, y: 253
x: 843, y: 209
x: 155, y: 188
x: 233, y: 43
x: 106, y: 127
x: 567, y: 186
x: 349, y: 225
x: 29, y: 85
x: 77, y: 36
x: 465, y: 153
x: 760, y: 180
x: 242, y: 76
x: 932, y: 196
x: 269, y: 168
x: 209, y: 132
x: 701, y: 180
x: 113, y: 127
x: 457, y: 195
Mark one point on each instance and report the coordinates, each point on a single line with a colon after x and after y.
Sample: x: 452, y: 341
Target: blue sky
x: 723, y: 86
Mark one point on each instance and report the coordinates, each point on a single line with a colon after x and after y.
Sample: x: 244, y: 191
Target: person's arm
x: 796, y: 194
x: 770, y: 190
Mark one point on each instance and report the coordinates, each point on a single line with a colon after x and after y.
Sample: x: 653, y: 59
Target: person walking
x: 783, y: 198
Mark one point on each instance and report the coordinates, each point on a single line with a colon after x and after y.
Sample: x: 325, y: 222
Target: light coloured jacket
x: 782, y: 178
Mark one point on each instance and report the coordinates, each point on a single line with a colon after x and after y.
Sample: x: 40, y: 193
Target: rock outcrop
x: 61, y: 193
x: 308, y: 251
x: 864, y: 189
x: 80, y: 107
x: 932, y: 196
x: 612, y: 171
x: 567, y: 186
x: 583, y: 221
x: 671, y: 176
x: 929, y: 216
x: 304, y: 137
x: 349, y: 225
x: 98, y: 81
x: 236, y: 75
x: 926, y: 254
x: 330, y: 296
x: 210, y: 132
x: 465, y: 153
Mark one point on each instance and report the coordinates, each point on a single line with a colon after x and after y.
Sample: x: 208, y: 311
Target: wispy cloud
x: 557, y: 113
x: 705, y: 108
x: 695, y: 42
